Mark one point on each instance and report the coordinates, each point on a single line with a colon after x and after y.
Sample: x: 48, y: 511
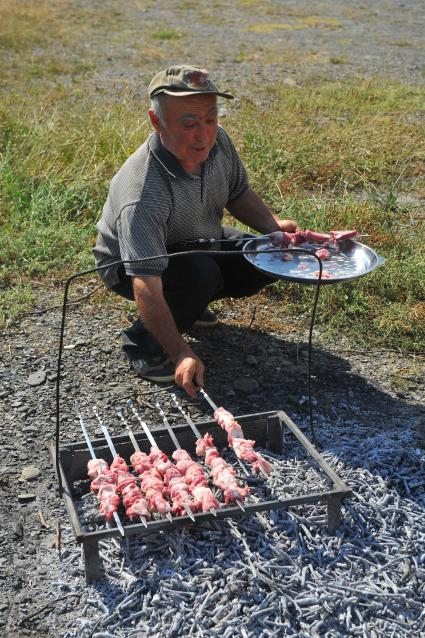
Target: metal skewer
x: 178, y: 446
x: 215, y: 407
x: 198, y: 436
x: 93, y: 455
x: 210, y: 401
x: 135, y: 445
x: 149, y: 437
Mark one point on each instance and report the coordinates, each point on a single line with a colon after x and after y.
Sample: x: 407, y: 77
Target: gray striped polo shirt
x: 154, y: 203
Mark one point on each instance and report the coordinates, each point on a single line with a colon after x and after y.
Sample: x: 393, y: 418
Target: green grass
x: 166, y: 34
x: 327, y: 154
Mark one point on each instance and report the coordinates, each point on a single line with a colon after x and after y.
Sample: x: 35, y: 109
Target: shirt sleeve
x: 142, y: 235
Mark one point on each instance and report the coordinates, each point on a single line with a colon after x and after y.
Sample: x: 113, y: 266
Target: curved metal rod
x: 178, y: 254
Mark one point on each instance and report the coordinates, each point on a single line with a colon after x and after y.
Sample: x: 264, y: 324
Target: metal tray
x: 351, y: 261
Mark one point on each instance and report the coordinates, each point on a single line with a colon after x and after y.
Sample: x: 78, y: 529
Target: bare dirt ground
x: 256, y: 357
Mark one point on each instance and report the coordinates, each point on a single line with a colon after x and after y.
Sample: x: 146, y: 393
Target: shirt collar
x: 167, y: 159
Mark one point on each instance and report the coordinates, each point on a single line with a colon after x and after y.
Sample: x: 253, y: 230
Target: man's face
x: 188, y: 128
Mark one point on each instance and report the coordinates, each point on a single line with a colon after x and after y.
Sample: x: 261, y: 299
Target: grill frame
x: 266, y: 428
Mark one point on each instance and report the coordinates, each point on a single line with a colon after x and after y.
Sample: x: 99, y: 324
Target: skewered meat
x: 107, y: 477
x: 119, y: 464
x: 162, y: 465
x: 153, y: 488
x: 284, y: 240
x: 228, y: 423
x: 96, y: 467
x: 224, y: 478
x: 104, y: 486
x: 180, y: 495
x: 195, y: 477
x: 204, y: 444
x: 141, y: 462
x: 156, y: 454
x: 109, y: 500
x: 244, y: 451
x: 235, y: 435
x: 223, y: 475
x: 135, y: 505
x: 204, y: 499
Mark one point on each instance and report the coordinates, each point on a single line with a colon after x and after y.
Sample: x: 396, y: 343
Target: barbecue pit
x: 270, y: 430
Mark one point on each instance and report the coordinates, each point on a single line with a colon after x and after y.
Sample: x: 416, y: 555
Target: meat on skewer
x: 334, y: 237
x: 159, y: 480
x: 223, y: 475
x: 243, y: 447
x: 96, y: 467
x: 195, y: 478
x: 104, y: 485
x: 192, y: 478
x: 152, y: 486
x: 136, y: 506
x: 140, y: 462
x: 179, y: 491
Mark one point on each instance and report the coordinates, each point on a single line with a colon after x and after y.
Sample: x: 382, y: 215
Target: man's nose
x: 201, y: 132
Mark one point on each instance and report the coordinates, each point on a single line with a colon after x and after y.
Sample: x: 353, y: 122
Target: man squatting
x: 173, y: 189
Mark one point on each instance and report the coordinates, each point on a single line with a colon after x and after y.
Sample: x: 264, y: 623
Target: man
x: 171, y: 192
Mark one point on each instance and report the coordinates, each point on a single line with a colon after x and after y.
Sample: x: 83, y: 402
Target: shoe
x: 159, y: 369
x: 208, y: 318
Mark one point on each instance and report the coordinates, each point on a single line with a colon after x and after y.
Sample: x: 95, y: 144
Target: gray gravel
x: 369, y: 430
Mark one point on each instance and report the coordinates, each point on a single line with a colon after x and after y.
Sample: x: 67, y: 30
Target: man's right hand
x: 190, y: 373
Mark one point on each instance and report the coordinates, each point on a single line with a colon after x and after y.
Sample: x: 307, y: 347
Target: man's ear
x: 154, y: 120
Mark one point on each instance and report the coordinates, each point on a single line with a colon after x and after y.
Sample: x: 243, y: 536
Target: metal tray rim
x: 264, y: 244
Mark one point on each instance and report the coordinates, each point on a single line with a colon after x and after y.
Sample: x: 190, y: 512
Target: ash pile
x: 272, y: 573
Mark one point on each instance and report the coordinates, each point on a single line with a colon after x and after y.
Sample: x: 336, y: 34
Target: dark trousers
x: 191, y: 282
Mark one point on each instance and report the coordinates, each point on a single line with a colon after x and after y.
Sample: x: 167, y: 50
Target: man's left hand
x: 287, y: 225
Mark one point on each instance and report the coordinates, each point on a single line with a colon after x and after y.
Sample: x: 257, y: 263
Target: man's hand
x: 287, y: 225
x: 190, y: 374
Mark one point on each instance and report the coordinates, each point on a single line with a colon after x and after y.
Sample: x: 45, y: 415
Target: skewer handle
x: 186, y: 416
x: 168, y: 426
x: 105, y: 433
x: 86, y: 434
x: 129, y: 430
x: 142, y: 423
x: 210, y: 401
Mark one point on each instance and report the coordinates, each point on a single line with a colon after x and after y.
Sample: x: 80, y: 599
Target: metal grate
x: 268, y: 429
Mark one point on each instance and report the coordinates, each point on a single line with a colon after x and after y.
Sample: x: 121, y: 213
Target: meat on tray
x: 323, y: 253
x: 243, y: 447
x: 283, y: 239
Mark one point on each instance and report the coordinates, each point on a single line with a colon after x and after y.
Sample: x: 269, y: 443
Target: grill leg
x: 91, y: 560
x: 334, y: 513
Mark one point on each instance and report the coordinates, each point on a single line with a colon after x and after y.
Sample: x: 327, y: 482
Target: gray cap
x: 184, y: 80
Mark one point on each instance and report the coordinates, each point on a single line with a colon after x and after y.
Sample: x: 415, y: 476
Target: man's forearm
x: 250, y: 209
x: 157, y: 317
